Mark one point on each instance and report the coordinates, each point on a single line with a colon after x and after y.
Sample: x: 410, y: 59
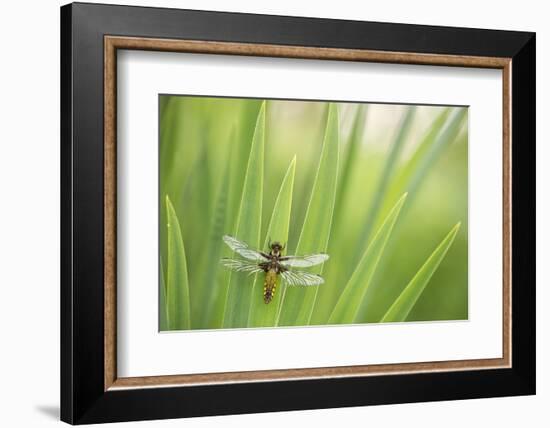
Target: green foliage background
x: 383, y: 189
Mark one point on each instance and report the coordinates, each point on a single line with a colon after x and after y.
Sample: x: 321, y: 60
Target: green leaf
x: 400, y: 309
x: 225, y: 220
x: 440, y: 136
x: 210, y: 294
x: 262, y: 315
x: 177, y: 284
x: 327, y: 295
x: 347, y: 307
x: 298, y: 302
x: 239, y: 289
x: 420, y: 161
x: 163, y: 315
x: 410, y: 178
x: 197, y: 213
x: 389, y: 169
x: 242, y: 138
x: 353, y: 149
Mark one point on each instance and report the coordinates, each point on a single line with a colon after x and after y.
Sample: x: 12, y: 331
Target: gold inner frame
x: 113, y: 43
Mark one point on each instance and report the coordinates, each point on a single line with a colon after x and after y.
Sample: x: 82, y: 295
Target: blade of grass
x: 330, y: 293
x: 177, y: 284
x: 417, y: 163
x: 198, y: 213
x: 242, y: 139
x: 346, y: 309
x: 248, y: 228
x: 163, y: 316
x: 400, y: 309
x: 441, y: 134
x: 298, y: 302
x: 210, y: 296
x: 387, y: 173
x: 225, y: 208
x: 353, y: 146
x: 262, y: 315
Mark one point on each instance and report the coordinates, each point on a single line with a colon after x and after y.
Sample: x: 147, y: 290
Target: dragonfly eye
x: 276, y: 246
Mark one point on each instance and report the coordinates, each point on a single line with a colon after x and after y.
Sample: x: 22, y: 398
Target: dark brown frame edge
x: 114, y: 43
x: 83, y: 369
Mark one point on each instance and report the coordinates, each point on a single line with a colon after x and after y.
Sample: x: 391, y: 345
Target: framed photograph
x: 265, y: 213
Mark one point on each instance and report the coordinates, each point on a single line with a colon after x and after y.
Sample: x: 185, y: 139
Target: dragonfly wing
x: 242, y: 249
x: 301, y: 278
x: 241, y: 266
x: 304, y: 261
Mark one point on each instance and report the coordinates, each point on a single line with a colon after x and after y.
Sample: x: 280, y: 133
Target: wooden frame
x: 113, y: 43
x: 513, y: 53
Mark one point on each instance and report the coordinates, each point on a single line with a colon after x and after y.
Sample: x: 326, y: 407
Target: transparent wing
x: 301, y: 278
x: 242, y: 249
x: 304, y: 261
x: 241, y: 266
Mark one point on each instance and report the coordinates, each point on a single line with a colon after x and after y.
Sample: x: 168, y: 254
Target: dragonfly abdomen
x: 270, y: 284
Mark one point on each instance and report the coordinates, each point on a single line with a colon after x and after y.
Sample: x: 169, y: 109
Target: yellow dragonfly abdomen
x: 270, y: 284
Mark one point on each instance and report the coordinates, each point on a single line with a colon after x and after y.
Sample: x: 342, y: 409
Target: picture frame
x: 91, y: 36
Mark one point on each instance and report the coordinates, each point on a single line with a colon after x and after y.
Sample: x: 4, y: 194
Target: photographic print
x: 292, y: 213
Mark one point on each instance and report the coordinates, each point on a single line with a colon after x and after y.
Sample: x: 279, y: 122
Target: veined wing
x: 301, y: 278
x: 242, y: 249
x: 304, y: 261
x: 241, y: 266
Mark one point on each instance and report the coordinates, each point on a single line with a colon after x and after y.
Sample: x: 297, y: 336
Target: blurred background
x: 385, y: 151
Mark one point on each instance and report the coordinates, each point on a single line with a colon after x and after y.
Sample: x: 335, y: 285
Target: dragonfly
x: 273, y: 264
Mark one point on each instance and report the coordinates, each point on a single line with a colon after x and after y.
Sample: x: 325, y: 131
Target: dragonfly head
x: 276, y: 248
